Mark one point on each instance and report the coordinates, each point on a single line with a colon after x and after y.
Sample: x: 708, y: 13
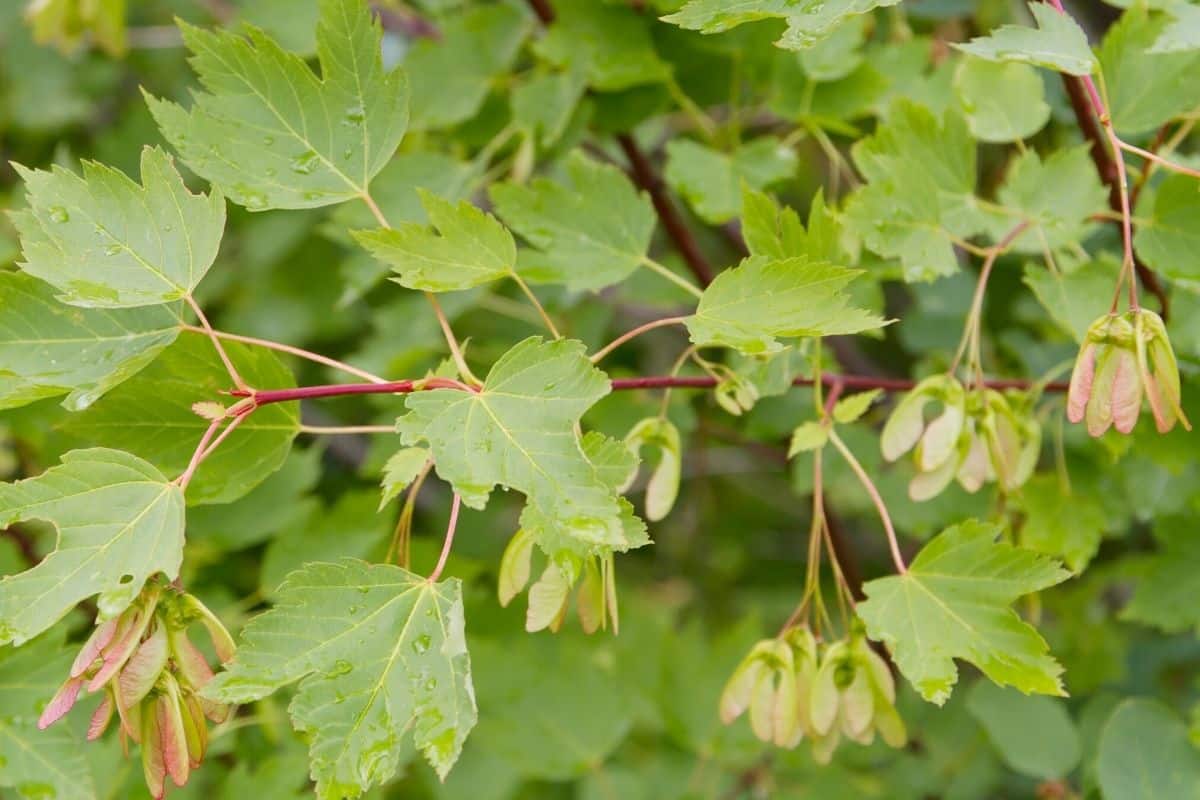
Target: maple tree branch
x: 267, y: 397
x: 648, y: 179
x: 24, y: 543
x: 543, y: 10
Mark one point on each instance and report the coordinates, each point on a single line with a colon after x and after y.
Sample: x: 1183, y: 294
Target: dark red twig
x: 263, y: 398
x: 24, y: 543
x: 645, y: 176
x: 543, y: 10
x: 829, y: 379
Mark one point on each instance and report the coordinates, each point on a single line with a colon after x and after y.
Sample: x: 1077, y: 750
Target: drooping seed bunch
x: 150, y: 674
x: 550, y: 595
x: 1123, y: 357
x: 980, y: 436
x: 797, y: 687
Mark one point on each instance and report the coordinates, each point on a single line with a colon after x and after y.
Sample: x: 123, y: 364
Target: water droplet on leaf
x: 305, y: 163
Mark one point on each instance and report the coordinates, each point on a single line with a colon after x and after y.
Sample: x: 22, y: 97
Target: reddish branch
x: 645, y: 176
x: 24, y: 543
x: 267, y: 397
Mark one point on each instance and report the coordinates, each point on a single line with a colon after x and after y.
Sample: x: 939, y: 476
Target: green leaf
x: 809, y: 21
x: 543, y: 105
x: 135, y: 415
x: 609, y: 42
x: 31, y: 674
x: 838, y: 55
x: 1057, y: 43
x: 850, y: 409
x: 452, y: 73
x: 1145, y: 754
x: 351, y: 527
x: 921, y: 175
x: 1183, y: 33
x: 1058, y: 195
x: 771, y: 229
x: 400, y: 470
x: 712, y: 182
x: 48, y: 349
x: 105, y: 242
x: 590, y: 232
x: 1073, y: 299
x: 614, y: 466
x: 954, y: 602
x: 1167, y: 238
x: 1033, y: 734
x: 377, y: 651
x: 465, y: 247
x: 519, y: 431
x: 50, y: 763
x: 39, y: 764
x: 119, y: 522
x: 807, y: 436
x: 1061, y: 524
x: 1145, y: 88
x: 271, y: 133
x: 534, y: 690
x: 748, y: 307
x: 282, y: 502
x: 1171, y: 579
x: 67, y: 24
x: 396, y: 191
x: 1004, y: 102
x: 293, y: 24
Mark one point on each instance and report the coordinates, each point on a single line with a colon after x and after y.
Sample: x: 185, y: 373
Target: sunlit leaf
x: 105, y: 242
x: 119, y: 523
x: 955, y: 603
x: 378, y: 652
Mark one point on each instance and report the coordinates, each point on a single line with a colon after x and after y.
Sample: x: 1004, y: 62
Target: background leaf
x: 1144, y: 752
x: 48, y: 349
x: 1033, y: 734
x: 589, y: 233
x: 160, y: 397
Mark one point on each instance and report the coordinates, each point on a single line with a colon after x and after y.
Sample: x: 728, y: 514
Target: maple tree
x: 834, y: 319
